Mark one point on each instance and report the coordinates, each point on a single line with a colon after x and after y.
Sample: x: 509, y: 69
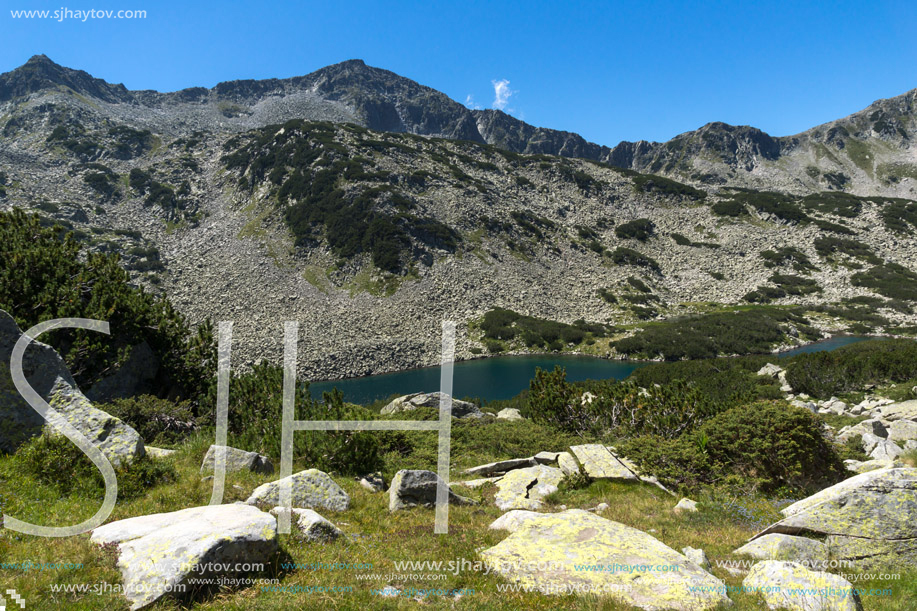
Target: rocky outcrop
x: 599, y: 463
x: 407, y: 403
x: 311, y: 488
x: 775, y: 546
x: 417, y: 487
x: 237, y: 460
x: 544, y: 549
x: 791, y: 586
x: 866, y: 519
x: 158, y: 552
x: 313, y: 526
x: 48, y: 375
x: 525, y: 488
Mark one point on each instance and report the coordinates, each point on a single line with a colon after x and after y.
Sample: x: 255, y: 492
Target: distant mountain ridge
x: 868, y: 152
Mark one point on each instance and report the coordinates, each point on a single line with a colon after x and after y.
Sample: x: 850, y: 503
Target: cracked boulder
x: 48, y: 375
x: 867, y: 520
x: 525, y: 488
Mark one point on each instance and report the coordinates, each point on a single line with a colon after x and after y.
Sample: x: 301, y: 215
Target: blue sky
x: 610, y: 71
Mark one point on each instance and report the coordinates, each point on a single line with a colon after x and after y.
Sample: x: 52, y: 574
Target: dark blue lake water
x: 503, y: 377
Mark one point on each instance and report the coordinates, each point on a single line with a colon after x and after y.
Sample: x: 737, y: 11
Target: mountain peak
x: 41, y: 73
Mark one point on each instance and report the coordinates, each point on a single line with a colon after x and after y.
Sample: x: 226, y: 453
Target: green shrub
x: 823, y: 374
x: 158, y: 421
x: 255, y: 421
x: 503, y: 324
x: 833, y: 202
x: 891, y: 279
x: 795, y: 285
x: 57, y: 461
x: 638, y: 229
x: 719, y: 333
x: 767, y: 447
x: 627, y: 256
x: 45, y: 274
x: 787, y: 254
x: 729, y: 208
x: 827, y: 247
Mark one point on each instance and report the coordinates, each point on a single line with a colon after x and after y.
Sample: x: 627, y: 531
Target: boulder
x: 502, y: 466
x: 697, y: 556
x: 770, y: 370
x: 416, y: 487
x: 477, y: 483
x: 867, y: 519
x: 48, y: 375
x: 905, y: 410
x: 902, y: 430
x: 525, y: 488
x: 567, y: 464
x: 543, y: 550
x: 313, y: 526
x: 872, y: 427
x: 311, y: 488
x: 374, y: 482
x: 407, y: 403
x: 158, y: 552
x: 686, y: 504
x: 237, y: 460
x: 858, y: 466
x: 509, y: 413
x: 513, y: 520
x: 885, y: 450
x: 599, y: 463
x: 870, y: 442
x: 775, y: 546
x: 788, y: 585
x: 546, y: 458
x: 154, y: 452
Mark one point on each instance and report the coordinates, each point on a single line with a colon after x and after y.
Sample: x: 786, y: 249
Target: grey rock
x: 417, y: 487
x: 313, y: 526
x: 697, y: 556
x: 237, y: 460
x: 525, y: 488
x: 48, y: 375
x: 546, y: 458
x: 770, y: 370
x: 599, y: 463
x: 686, y: 504
x: 153, y: 452
x: 502, y: 466
x: 509, y: 413
x: 902, y: 430
x: 567, y: 463
x: 158, y: 552
x: 374, y: 482
x: 407, y: 403
x: 311, y: 488
x: 885, y: 450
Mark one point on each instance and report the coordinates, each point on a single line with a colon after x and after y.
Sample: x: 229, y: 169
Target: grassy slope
x: 722, y: 524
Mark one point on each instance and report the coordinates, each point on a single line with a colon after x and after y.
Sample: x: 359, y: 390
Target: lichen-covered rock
x: 513, y: 520
x: 311, y: 488
x: 902, y: 430
x: 868, y: 519
x: 417, y: 487
x: 775, y: 546
x: 567, y: 463
x: 543, y: 550
x: 314, y: 527
x: 460, y: 409
x: 862, y: 466
x: 697, y: 556
x: 872, y: 426
x: 509, y: 413
x: 905, y: 410
x: 886, y: 450
x: 477, y: 483
x: 48, y: 375
x: 158, y: 552
x: 788, y: 585
x: 237, y: 460
x: 770, y: 370
x: 599, y: 463
x: 546, y: 458
x: 154, y: 452
x: 525, y: 488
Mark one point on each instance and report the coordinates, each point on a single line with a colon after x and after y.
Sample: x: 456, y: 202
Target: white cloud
x: 502, y: 93
x: 470, y: 103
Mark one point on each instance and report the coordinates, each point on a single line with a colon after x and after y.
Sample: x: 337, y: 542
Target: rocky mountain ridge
x: 371, y: 238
